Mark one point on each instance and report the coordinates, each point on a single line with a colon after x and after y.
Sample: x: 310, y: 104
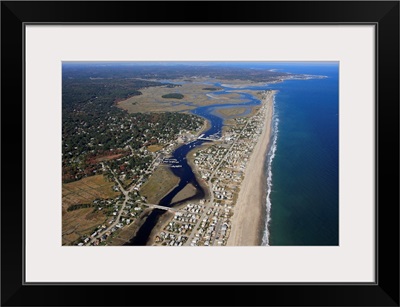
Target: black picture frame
x: 383, y: 14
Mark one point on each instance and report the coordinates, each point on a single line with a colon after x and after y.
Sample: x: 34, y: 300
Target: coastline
x: 249, y: 211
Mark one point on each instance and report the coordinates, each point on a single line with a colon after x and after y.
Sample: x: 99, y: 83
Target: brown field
x: 154, y: 148
x: 108, y: 158
x: 79, y: 222
x: 87, y: 190
x: 188, y: 191
x: 159, y: 184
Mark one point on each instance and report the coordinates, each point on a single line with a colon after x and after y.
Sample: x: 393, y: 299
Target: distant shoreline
x: 249, y: 211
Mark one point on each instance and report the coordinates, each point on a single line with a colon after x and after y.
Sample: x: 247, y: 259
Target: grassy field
x: 159, y: 184
x: 151, y: 99
x: 231, y: 111
x: 82, y: 221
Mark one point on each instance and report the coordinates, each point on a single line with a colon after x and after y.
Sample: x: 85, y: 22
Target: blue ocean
x: 302, y: 166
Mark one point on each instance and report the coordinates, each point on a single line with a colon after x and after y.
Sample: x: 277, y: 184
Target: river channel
x: 184, y: 171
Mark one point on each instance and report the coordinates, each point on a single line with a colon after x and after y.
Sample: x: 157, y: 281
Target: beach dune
x: 247, y: 221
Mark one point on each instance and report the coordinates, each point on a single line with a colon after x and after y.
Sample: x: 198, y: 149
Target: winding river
x: 185, y: 173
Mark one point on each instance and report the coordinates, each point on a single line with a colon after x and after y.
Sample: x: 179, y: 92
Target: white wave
x: 270, y: 158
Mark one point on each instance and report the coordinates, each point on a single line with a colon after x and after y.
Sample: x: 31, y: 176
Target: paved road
x: 127, y: 197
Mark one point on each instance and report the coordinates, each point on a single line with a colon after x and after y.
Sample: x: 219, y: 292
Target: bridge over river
x: 153, y: 206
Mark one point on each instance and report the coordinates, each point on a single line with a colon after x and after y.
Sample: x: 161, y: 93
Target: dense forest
x: 157, y: 71
x: 173, y: 96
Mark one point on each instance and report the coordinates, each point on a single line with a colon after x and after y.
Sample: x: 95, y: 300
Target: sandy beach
x: 247, y: 221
